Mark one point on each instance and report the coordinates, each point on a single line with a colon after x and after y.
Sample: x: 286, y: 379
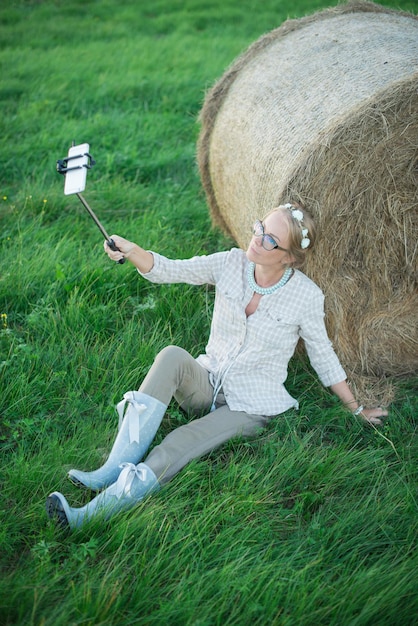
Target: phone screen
x: 75, y: 179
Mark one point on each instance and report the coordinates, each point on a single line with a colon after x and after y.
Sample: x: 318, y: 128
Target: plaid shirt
x: 248, y: 356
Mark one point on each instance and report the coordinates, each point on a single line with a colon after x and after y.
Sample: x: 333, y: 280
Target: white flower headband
x: 297, y: 214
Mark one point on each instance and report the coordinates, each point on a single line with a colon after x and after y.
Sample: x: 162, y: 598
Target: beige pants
x: 175, y: 373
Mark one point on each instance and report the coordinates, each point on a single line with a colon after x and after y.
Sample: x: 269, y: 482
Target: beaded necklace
x: 265, y: 291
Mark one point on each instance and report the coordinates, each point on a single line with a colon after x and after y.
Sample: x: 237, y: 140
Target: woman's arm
x: 326, y: 363
x: 343, y: 391
x: 142, y: 259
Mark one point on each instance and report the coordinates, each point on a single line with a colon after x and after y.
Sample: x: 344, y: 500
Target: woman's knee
x: 176, y: 373
x: 162, y: 379
x: 171, y: 356
x: 170, y: 361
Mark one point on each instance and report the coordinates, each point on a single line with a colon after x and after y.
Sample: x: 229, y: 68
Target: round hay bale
x: 324, y: 111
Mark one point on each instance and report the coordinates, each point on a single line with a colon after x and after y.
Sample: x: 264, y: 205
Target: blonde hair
x: 296, y: 235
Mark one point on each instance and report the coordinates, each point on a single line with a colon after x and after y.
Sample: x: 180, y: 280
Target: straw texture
x: 324, y: 111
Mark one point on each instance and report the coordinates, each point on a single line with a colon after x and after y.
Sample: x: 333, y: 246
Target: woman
x: 263, y: 305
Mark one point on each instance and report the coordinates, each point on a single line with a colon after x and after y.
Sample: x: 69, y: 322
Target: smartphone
x: 77, y: 163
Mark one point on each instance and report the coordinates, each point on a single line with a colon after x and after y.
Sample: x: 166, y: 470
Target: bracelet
x: 358, y: 410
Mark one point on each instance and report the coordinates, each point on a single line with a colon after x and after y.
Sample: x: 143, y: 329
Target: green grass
x: 314, y: 522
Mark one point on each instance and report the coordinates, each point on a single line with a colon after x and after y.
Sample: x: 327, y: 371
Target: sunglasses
x: 268, y: 241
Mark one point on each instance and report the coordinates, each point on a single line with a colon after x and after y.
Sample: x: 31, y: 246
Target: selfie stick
x: 75, y: 182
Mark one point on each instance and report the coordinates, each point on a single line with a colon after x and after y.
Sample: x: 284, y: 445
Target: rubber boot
x: 133, y: 484
x: 140, y: 416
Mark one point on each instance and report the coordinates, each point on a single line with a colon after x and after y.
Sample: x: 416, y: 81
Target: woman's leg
x: 199, y: 437
x: 175, y: 373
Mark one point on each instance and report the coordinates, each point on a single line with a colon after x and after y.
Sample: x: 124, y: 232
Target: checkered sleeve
x: 318, y: 345
x: 198, y: 270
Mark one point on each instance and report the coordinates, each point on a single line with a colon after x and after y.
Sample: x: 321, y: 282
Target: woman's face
x: 276, y: 226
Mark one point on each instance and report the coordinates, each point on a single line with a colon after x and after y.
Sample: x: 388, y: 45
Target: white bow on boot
x: 133, y: 484
x: 140, y: 416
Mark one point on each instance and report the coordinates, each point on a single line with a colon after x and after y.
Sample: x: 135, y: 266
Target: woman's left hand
x: 373, y: 416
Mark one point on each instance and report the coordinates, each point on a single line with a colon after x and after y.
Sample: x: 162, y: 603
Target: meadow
x: 314, y: 522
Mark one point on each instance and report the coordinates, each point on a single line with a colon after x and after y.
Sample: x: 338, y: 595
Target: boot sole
x: 55, y: 511
x: 80, y: 484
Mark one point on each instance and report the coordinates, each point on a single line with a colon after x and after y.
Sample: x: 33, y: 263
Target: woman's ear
x: 289, y: 259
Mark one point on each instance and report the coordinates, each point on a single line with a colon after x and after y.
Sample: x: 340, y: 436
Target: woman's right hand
x: 124, y: 246
x: 142, y: 259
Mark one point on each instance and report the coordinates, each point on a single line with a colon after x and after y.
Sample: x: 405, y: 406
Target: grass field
x: 312, y: 523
